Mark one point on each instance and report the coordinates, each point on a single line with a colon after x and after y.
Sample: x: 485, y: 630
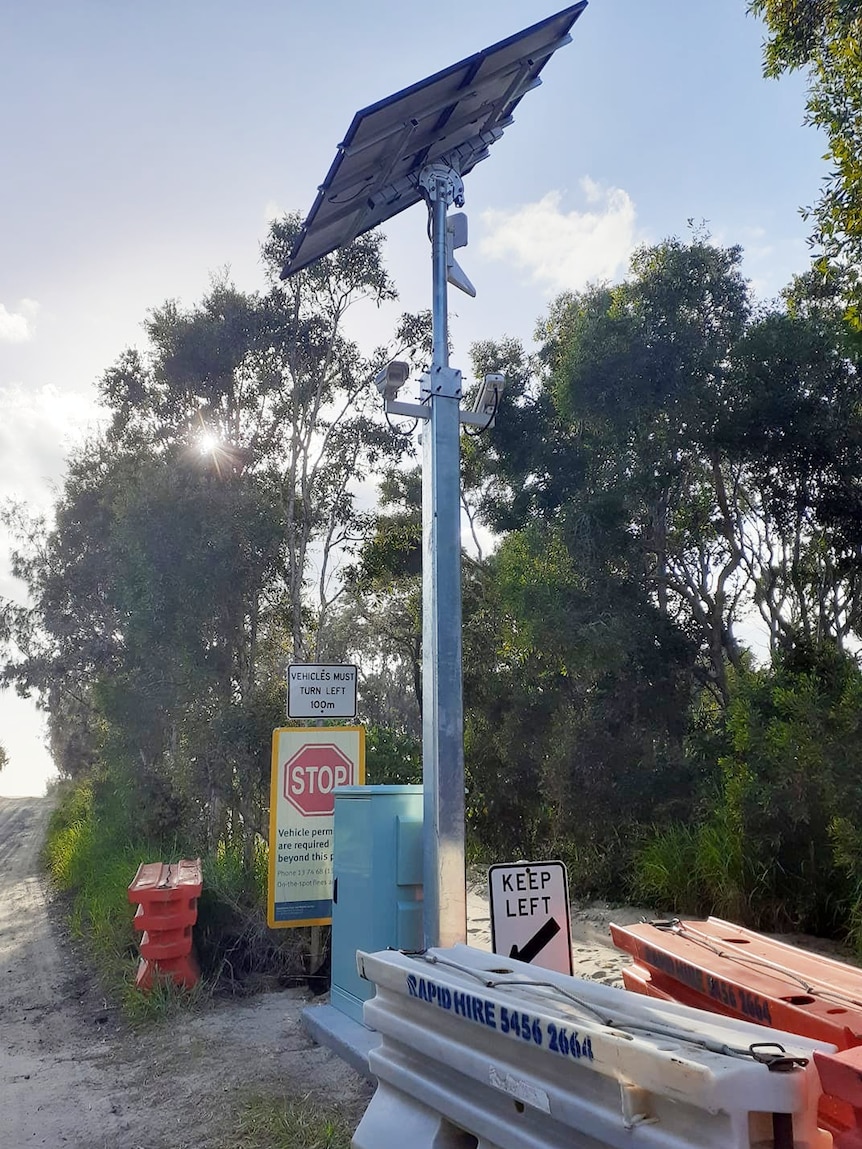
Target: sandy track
x: 72, y: 1076
x: 49, y: 1067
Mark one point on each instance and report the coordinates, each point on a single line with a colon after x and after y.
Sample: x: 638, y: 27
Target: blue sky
x: 145, y: 146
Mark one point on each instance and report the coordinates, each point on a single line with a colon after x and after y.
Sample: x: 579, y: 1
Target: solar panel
x: 452, y: 117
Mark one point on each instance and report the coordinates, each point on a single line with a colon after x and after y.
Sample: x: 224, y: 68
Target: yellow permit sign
x: 307, y: 765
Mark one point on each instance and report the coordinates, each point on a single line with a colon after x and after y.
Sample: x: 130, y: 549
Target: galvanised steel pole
x: 445, y: 908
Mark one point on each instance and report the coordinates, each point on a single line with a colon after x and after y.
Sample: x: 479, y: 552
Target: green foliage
x: 823, y: 37
x: 392, y: 757
x: 176, y: 584
x: 93, y: 849
x: 395, y: 550
x: 616, y: 437
x: 235, y: 946
x: 578, y: 725
x: 794, y: 765
x: 665, y: 874
x: 694, y: 869
x: 151, y: 598
x: 600, y: 867
x: 162, y: 1002
x: 777, y: 845
x: 378, y: 623
x: 671, y: 457
x: 845, y: 836
x: 92, y: 858
x: 793, y: 422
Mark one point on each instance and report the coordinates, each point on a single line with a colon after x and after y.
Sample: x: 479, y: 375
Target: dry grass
x: 291, y: 1123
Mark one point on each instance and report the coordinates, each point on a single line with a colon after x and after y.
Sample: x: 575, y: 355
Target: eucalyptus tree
x: 794, y: 418
x: 379, y: 622
x: 618, y: 433
x: 271, y: 385
x: 576, y: 686
x: 671, y: 457
x: 176, y: 581
x: 707, y: 447
x: 145, y: 598
x: 576, y: 696
x: 822, y: 37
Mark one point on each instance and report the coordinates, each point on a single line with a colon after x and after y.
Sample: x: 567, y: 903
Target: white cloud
x: 566, y: 250
x: 38, y: 426
x: 272, y: 210
x: 17, y: 326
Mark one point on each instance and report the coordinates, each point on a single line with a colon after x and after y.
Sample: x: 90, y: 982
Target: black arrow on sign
x: 537, y: 942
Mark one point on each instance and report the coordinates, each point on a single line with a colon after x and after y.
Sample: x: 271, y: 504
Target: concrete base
x: 351, y: 1040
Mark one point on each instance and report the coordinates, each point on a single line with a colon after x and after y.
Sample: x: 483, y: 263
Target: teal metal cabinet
x: 377, y: 882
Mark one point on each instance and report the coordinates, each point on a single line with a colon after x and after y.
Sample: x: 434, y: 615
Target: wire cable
x: 626, y: 1026
x: 481, y: 430
x: 396, y: 430
x: 754, y: 961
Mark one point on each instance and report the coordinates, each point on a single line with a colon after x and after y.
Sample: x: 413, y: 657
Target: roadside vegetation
x: 276, y: 1123
x: 92, y: 852
x: 676, y: 460
x: 662, y: 591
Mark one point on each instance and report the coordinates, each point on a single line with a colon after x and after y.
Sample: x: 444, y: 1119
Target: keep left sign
x: 530, y: 918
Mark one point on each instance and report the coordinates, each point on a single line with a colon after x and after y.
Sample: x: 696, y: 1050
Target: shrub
x: 775, y: 848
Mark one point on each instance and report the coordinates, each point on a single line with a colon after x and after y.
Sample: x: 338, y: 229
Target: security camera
x: 390, y: 379
x: 488, y: 396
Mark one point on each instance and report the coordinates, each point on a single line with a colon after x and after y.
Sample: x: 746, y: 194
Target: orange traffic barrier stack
x: 718, y: 966
x: 728, y: 969
x: 167, y: 897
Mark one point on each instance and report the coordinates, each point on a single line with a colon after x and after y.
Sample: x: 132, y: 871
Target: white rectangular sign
x: 530, y: 914
x: 321, y: 690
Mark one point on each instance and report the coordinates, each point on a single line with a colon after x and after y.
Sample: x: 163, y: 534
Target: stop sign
x: 311, y: 775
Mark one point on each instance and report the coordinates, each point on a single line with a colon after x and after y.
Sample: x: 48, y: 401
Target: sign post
x: 530, y: 918
x: 307, y: 765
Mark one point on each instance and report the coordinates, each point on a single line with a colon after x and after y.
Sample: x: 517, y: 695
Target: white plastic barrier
x: 482, y: 1052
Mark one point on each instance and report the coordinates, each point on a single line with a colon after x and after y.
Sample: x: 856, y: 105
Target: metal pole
x: 440, y: 286
x: 445, y: 907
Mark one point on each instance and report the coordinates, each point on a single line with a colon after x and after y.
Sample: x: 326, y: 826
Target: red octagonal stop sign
x: 312, y: 774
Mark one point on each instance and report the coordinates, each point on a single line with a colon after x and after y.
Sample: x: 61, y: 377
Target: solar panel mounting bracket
x: 442, y: 179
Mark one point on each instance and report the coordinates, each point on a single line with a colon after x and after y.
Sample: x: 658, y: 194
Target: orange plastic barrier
x: 167, y: 897
x: 739, y: 973
x: 836, y: 1113
x: 726, y: 969
x: 841, y: 1077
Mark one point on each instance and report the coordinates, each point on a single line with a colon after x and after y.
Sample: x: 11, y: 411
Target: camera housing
x: 488, y: 396
x: 390, y: 379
